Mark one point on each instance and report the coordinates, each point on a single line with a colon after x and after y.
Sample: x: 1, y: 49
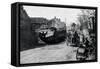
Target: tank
x: 55, y: 37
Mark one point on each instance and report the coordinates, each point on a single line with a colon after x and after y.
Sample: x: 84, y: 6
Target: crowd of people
x: 86, y: 42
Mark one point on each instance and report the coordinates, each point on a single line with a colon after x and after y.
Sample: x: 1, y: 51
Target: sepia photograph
x: 57, y: 34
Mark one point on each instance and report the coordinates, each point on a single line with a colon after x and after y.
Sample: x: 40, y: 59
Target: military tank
x: 52, y: 36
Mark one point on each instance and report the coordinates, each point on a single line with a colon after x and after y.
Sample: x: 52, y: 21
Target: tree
x: 87, y: 22
x: 87, y: 18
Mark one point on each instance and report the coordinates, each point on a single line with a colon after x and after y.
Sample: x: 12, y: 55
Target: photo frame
x: 45, y: 34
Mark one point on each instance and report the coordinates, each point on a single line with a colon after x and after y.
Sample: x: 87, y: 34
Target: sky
x: 67, y: 15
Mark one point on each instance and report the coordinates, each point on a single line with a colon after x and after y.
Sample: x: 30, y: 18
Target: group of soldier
x: 83, y: 43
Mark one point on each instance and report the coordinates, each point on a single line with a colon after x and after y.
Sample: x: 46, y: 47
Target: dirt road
x: 49, y: 53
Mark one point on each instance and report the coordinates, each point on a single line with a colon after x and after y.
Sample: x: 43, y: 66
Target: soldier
x: 82, y: 52
x: 75, y: 38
